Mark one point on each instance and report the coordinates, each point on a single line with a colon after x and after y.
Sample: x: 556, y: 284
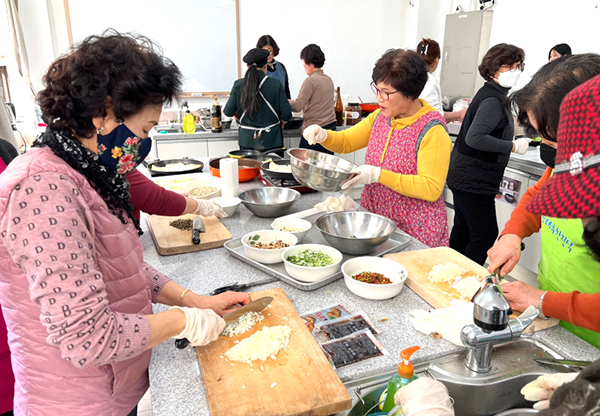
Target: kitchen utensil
x: 228, y: 203
x: 269, y: 202
x: 240, y: 287
x: 295, y: 223
x: 265, y: 387
x: 263, y: 157
x: 197, y: 228
x: 311, y: 274
x: 247, y: 168
x: 355, y: 232
x: 286, y: 176
x: 160, y: 167
x: 368, y: 108
x: 255, y: 154
x: 267, y: 256
x: 321, y: 171
x: 170, y: 240
x: 255, y: 306
x: 204, y: 180
x: 439, y: 295
x: 518, y: 412
x: 243, y: 153
x: 392, y: 270
x: 573, y: 364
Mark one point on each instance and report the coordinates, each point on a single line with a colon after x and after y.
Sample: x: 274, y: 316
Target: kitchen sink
x: 473, y: 394
x: 176, y: 128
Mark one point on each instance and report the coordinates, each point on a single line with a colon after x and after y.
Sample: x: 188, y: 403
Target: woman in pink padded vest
x: 75, y: 292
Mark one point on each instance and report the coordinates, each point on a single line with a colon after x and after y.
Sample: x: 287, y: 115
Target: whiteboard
x: 199, y: 36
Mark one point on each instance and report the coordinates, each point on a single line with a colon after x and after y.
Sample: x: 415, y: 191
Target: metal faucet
x: 492, y: 325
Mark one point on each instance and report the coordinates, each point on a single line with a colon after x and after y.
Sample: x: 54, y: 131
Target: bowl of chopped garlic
x: 266, y: 246
x: 296, y: 226
x: 374, y: 277
x: 205, y: 186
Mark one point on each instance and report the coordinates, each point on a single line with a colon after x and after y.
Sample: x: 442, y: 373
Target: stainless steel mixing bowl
x: 355, y: 232
x: 269, y: 202
x: 320, y: 171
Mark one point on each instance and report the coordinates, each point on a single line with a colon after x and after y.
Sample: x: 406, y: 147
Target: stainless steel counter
x: 175, y: 379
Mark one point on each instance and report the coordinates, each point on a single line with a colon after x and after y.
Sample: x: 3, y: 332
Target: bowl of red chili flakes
x: 374, y: 277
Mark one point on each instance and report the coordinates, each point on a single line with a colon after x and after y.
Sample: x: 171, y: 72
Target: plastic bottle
x: 189, y: 125
x: 215, y: 116
x: 405, y: 375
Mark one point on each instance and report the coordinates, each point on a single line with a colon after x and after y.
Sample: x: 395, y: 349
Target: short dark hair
x: 128, y: 68
x: 428, y: 50
x: 265, y: 40
x: 562, y: 49
x: 312, y: 54
x: 498, y: 55
x: 402, y: 69
x: 542, y: 96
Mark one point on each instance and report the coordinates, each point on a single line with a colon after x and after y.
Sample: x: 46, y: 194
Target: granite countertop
x: 175, y: 379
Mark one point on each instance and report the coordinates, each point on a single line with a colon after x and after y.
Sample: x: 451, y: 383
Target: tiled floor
x: 145, y: 405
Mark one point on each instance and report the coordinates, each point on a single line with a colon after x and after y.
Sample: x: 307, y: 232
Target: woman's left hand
x: 226, y: 302
x: 521, y: 295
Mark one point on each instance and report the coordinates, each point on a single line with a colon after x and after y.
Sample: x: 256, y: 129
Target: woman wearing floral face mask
x: 481, y: 153
x: 76, y: 294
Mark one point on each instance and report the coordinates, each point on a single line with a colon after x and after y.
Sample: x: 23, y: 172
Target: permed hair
x: 312, y: 54
x: 498, y: 55
x: 402, y: 69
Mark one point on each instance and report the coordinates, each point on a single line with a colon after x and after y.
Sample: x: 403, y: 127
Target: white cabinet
x: 217, y: 148
x: 177, y: 149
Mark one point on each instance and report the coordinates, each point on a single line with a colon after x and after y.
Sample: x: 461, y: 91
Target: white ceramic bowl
x: 392, y: 270
x: 205, y: 180
x: 298, y: 223
x: 267, y: 256
x: 229, y: 204
x: 311, y: 274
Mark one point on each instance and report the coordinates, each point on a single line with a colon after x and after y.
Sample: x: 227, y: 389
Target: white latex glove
x: 314, y: 134
x: 202, y: 326
x: 367, y: 174
x: 521, y: 145
x: 424, y: 397
x: 208, y: 208
x: 541, y: 389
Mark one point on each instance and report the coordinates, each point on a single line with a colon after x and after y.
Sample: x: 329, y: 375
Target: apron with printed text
x: 424, y: 220
x: 566, y: 265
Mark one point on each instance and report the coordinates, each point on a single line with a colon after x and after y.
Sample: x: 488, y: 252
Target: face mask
x: 509, y: 79
x: 122, y: 150
x: 548, y: 154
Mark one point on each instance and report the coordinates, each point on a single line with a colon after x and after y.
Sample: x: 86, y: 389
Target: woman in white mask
x: 481, y: 152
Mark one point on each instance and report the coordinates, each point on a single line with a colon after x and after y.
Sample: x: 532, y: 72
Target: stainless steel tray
x: 396, y: 243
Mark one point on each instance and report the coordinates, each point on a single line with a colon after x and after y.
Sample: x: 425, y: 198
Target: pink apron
x: 424, y: 220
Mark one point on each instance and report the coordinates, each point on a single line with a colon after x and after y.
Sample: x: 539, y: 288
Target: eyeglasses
x: 515, y: 67
x: 385, y: 95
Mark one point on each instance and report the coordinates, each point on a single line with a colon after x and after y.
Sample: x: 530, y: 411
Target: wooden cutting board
x: 170, y: 240
x: 300, y: 382
x: 439, y: 295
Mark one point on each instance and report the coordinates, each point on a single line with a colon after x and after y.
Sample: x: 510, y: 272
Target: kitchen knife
x: 577, y: 365
x: 255, y: 306
x: 239, y: 287
x: 197, y: 228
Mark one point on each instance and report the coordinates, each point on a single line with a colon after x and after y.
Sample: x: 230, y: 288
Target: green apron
x: 567, y: 265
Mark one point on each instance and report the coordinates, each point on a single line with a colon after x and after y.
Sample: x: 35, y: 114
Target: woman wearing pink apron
x: 408, y: 150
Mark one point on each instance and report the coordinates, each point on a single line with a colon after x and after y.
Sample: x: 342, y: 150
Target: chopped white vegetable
x: 262, y: 345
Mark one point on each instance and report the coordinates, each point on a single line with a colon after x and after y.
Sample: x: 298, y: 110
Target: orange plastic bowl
x: 247, y: 168
x: 368, y: 108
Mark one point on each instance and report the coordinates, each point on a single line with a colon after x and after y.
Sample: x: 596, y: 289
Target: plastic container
x: 406, y: 374
x: 353, y: 114
x: 189, y: 124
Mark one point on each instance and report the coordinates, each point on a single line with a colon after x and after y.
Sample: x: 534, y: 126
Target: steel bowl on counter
x: 355, y: 232
x: 518, y: 412
x: 247, y: 168
x: 394, y: 271
x: 269, y: 202
x: 320, y: 171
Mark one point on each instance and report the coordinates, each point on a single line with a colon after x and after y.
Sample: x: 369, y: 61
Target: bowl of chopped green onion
x: 311, y: 262
x: 374, y: 277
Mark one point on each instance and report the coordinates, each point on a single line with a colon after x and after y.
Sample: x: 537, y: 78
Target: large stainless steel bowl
x: 355, y: 232
x: 320, y: 171
x: 269, y: 202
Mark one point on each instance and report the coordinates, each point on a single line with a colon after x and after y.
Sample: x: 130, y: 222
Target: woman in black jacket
x: 481, y: 153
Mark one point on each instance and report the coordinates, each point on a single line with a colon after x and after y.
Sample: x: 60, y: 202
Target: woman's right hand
x: 505, y: 254
x: 314, y: 134
x: 202, y: 326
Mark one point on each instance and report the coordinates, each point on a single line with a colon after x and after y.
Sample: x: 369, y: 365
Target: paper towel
x: 228, y: 168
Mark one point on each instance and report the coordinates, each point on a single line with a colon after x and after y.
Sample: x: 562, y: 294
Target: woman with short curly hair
x: 76, y: 294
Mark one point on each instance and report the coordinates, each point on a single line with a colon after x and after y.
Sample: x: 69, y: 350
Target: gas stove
x: 283, y: 183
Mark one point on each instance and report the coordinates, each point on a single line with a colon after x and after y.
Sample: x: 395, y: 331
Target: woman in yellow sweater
x: 408, y: 150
